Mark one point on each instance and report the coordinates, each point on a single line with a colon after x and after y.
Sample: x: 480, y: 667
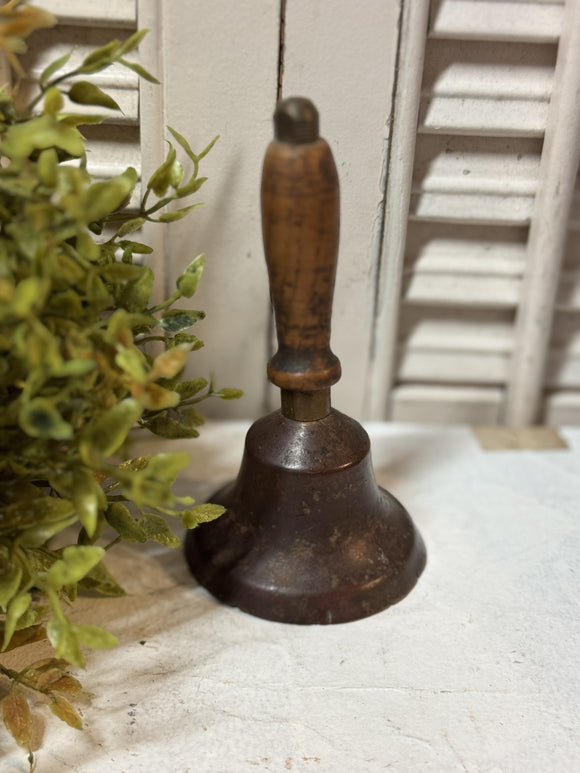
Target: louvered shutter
x: 82, y: 26
x: 487, y: 81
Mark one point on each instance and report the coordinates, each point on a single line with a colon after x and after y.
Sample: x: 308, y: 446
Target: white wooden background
x: 455, y: 127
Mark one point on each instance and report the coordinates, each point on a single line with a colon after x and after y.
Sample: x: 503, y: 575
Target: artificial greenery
x: 76, y: 318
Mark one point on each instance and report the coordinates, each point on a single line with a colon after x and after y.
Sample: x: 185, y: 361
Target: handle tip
x: 296, y: 121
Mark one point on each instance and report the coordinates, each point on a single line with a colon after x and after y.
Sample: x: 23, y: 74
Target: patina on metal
x: 308, y: 535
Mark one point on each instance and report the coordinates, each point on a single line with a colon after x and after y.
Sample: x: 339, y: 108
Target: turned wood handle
x: 300, y: 224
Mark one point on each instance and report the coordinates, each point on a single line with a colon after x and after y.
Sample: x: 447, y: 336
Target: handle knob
x: 300, y: 225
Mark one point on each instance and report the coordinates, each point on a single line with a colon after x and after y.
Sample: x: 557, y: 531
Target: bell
x: 308, y: 536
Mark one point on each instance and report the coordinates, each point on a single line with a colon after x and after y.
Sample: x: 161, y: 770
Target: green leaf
x: 141, y: 71
x: 130, y: 226
x: 119, y: 517
x: 136, y: 464
x: 117, y: 273
x: 100, y: 58
x: 41, y: 418
x: 86, y: 498
x: 166, y: 427
x: 165, y: 467
x: 135, y: 296
x: 138, y: 247
x: 229, y: 394
x: 190, y: 388
x: 63, y: 637
x: 188, y: 282
x: 177, y: 214
x: 186, y: 338
x: 30, y: 295
x: 200, y: 514
x: 10, y: 577
x: 157, y: 530
x: 48, y: 167
x: 107, y: 432
x: 76, y: 562
x: 62, y: 709
x: 160, y: 180
x: 133, y: 41
x: 16, y: 609
x: 100, y: 580
x: 80, y: 119
x: 40, y: 133
x: 132, y: 361
x: 193, y: 418
x: 175, y: 320
x: 54, y: 67
x: 192, y: 186
x: 39, y: 535
x: 103, y: 198
x: 86, y: 93
x: 53, y: 101
x: 184, y: 143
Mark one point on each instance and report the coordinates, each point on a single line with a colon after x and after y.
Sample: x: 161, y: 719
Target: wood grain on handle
x: 300, y: 223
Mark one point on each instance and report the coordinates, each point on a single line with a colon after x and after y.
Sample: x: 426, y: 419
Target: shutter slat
x: 484, y: 179
x: 477, y: 116
x: 462, y: 290
x: 453, y: 404
x: 434, y: 366
x: 561, y: 408
x: 104, y: 13
x: 458, y: 208
x: 489, y: 19
x: 478, y: 88
x: 456, y: 329
x: 563, y: 370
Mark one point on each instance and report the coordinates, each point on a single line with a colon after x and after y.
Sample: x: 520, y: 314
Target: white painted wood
x: 546, y: 242
x: 433, y: 404
x: 342, y: 56
x: 452, y: 367
x: 561, y: 407
x: 462, y: 290
x: 152, y: 133
x: 506, y: 20
x: 392, y: 222
x: 482, y: 87
x: 220, y: 75
x: 455, y: 329
x: 104, y: 13
x: 465, y: 248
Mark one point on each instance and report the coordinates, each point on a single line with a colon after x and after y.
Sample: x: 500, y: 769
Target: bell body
x: 308, y: 535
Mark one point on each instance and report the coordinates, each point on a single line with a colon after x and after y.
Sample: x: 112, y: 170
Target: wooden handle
x: 300, y: 224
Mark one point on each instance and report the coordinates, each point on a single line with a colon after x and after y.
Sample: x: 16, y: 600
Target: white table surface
x: 476, y: 670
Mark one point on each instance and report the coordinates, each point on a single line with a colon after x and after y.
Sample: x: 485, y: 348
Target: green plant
x: 76, y: 377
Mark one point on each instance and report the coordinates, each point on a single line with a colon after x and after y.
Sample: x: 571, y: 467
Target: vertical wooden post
x: 546, y: 242
x: 391, y: 233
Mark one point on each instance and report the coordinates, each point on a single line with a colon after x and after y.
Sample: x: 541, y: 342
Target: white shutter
x: 487, y: 82
x: 82, y: 26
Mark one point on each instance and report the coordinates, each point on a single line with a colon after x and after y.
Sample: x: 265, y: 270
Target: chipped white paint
x: 476, y: 670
